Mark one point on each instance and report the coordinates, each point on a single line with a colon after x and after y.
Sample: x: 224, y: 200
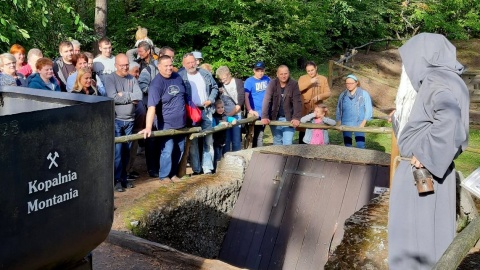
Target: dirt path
x: 143, y: 185
x: 112, y: 257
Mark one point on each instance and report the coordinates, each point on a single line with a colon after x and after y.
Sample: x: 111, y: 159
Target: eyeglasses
x: 350, y: 83
x: 124, y: 66
x: 11, y: 64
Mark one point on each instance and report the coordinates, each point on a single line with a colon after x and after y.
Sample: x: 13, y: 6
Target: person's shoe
x: 175, y: 178
x: 153, y: 174
x: 134, y: 174
x: 131, y: 177
x: 196, y: 173
x: 128, y: 185
x: 208, y: 173
x: 165, y: 179
x: 118, y: 187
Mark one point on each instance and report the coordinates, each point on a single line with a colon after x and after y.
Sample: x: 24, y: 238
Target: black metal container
x: 56, y: 177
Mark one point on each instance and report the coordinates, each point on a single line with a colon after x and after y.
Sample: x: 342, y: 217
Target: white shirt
x: 103, y: 66
x: 199, y: 88
x: 231, y: 90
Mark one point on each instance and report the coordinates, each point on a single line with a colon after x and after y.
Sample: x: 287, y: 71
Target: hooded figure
x: 431, y: 124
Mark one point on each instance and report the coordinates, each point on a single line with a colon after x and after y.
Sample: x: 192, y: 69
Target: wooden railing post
x: 393, y: 154
x: 330, y: 73
x: 182, y: 169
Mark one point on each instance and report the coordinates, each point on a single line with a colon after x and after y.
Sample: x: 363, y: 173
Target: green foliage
x: 237, y: 33
x: 41, y: 24
x: 356, y: 22
x: 456, y: 19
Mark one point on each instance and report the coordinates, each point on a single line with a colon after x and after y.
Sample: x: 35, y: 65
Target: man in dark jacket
x: 63, y: 67
x: 282, y: 102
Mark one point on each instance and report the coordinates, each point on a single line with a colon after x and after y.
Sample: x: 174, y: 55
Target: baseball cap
x: 197, y: 55
x: 259, y: 65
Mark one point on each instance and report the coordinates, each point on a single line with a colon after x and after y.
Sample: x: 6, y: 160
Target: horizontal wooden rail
x: 385, y: 130
x: 157, y: 133
x: 205, y: 132
x: 197, y: 132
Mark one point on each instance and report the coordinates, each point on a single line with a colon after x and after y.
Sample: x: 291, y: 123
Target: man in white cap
x: 198, y: 58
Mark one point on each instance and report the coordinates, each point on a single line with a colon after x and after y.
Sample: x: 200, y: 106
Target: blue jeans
x: 208, y: 153
x: 282, y: 135
x: 171, y: 152
x: 122, y: 150
x: 217, y: 155
x: 359, y: 139
x: 233, y: 140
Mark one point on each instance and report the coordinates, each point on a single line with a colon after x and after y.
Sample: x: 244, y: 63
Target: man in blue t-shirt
x: 255, y: 87
x: 166, y: 99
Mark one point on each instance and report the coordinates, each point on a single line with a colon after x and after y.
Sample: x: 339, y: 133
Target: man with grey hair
x: 134, y: 69
x: 202, y: 90
x: 33, y: 55
x: 431, y: 123
x: 76, y: 46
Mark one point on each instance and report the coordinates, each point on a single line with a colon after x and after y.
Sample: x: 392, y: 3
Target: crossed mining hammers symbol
x: 52, y: 159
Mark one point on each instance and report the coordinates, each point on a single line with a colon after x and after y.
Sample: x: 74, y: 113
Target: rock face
x: 364, y: 244
x: 192, y: 216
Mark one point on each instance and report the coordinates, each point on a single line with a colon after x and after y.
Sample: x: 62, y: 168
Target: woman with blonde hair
x: 8, y: 64
x: 83, y: 83
x: 142, y: 35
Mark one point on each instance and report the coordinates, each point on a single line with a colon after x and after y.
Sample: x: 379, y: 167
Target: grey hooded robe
x: 420, y: 228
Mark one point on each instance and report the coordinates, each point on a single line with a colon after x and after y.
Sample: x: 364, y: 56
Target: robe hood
x: 426, y: 52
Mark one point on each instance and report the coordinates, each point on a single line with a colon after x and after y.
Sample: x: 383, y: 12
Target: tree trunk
x: 100, y: 23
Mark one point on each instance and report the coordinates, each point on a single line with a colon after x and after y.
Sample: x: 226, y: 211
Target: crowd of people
x: 151, y: 94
